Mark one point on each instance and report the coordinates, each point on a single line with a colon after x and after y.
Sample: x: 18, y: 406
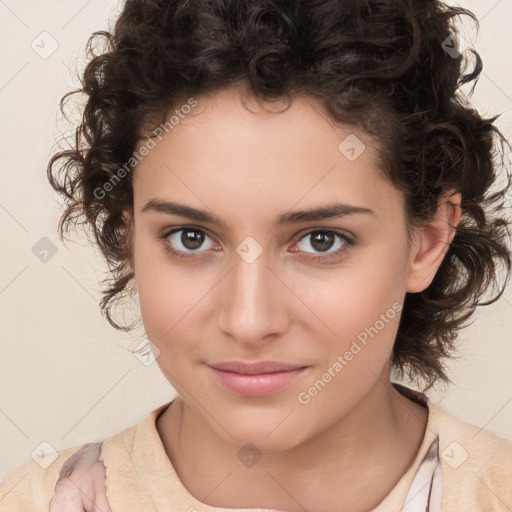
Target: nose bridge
x: 252, y: 303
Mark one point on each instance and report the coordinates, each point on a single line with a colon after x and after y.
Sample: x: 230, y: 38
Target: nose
x: 254, y: 302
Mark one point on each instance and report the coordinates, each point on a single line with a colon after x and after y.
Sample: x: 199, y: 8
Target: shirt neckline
x: 165, y: 489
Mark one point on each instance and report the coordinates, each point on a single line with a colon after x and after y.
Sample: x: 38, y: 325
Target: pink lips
x: 255, y: 379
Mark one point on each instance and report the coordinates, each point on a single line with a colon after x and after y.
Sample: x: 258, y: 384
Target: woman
x: 297, y: 192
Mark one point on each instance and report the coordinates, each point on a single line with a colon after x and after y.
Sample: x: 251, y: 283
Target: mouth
x: 255, y: 379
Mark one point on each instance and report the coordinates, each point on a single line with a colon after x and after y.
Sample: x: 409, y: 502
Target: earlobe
x: 433, y: 242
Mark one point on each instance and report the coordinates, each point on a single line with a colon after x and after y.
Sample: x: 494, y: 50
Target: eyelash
x: 347, y: 246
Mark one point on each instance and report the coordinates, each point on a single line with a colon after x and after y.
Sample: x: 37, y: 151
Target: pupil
x: 192, y: 239
x: 322, y: 237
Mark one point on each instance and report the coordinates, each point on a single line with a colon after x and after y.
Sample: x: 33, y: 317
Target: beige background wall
x: 66, y: 377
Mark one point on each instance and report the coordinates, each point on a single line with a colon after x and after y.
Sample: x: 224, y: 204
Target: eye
x: 324, y: 240
x: 183, y: 241
x: 186, y: 241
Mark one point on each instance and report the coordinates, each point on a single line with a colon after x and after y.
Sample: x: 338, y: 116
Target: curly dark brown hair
x: 388, y: 67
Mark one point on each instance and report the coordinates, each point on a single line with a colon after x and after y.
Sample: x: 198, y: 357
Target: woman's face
x: 255, y: 280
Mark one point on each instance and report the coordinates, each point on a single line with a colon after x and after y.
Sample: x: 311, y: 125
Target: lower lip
x: 256, y: 385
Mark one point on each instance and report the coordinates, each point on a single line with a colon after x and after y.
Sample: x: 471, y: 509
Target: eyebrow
x: 323, y: 212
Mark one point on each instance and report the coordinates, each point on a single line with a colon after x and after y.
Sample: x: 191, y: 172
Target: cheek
x: 167, y: 309
x: 355, y: 298
x: 166, y: 300
x: 364, y: 315
x: 360, y: 310
x: 172, y: 300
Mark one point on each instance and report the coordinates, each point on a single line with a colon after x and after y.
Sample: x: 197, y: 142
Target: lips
x: 255, y: 379
x: 255, y: 368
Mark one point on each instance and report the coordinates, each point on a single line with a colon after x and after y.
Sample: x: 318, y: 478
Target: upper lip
x: 255, y: 368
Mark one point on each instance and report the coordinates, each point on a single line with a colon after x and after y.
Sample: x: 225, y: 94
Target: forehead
x: 231, y: 146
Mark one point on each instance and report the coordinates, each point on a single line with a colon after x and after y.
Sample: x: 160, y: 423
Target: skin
x: 246, y: 168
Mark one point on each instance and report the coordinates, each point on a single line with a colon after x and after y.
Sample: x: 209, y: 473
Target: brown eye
x: 322, y: 241
x: 185, y: 241
x: 192, y: 238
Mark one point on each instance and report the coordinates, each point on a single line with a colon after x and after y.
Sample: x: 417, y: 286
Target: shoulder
x: 477, y: 442
x: 476, y: 464
x: 31, y: 485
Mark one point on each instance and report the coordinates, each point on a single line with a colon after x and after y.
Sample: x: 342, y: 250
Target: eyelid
x: 168, y: 231
x: 338, y: 231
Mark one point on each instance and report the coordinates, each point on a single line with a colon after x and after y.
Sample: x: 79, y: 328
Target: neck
x: 376, y: 441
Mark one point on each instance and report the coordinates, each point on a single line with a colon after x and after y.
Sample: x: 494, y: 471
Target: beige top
x: 467, y: 468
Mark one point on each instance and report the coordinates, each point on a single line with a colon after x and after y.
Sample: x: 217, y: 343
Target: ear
x: 129, y: 230
x: 433, y: 241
